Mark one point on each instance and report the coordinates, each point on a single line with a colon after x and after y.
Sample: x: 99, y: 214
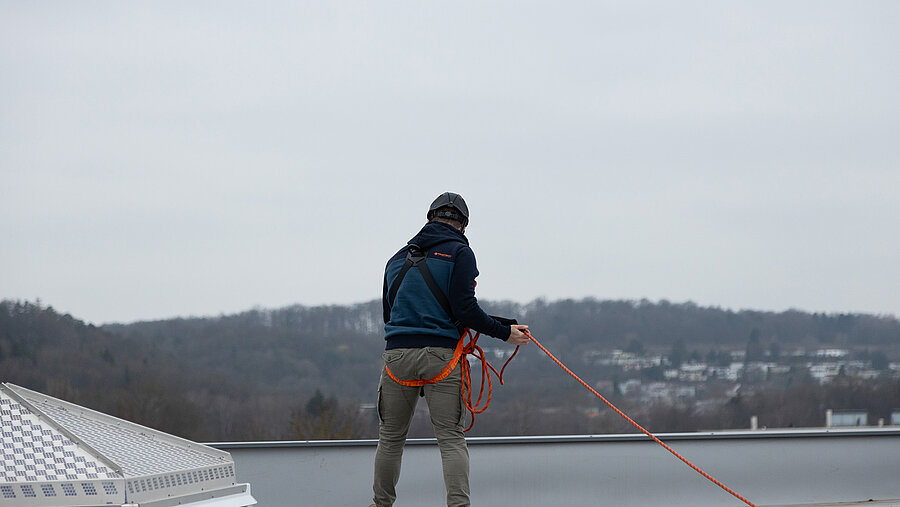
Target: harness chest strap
x: 457, y: 353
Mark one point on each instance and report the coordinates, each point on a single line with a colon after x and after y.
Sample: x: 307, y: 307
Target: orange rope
x: 459, y: 356
x: 486, y: 369
x: 636, y: 425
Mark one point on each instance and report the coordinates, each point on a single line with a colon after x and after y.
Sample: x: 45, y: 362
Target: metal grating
x: 33, y: 452
x: 55, y: 453
x: 134, y: 448
x: 181, y: 479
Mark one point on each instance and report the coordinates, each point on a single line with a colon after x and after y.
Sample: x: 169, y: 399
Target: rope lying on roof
x: 636, y: 425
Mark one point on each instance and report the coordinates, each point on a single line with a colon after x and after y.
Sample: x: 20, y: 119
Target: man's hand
x: 516, y: 335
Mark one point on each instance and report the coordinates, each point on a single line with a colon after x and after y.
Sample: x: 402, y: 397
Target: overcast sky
x: 165, y: 159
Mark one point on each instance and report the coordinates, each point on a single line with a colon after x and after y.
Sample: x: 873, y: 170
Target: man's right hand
x: 517, y: 336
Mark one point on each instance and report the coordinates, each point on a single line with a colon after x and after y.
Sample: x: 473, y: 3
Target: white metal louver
x: 55, y: 453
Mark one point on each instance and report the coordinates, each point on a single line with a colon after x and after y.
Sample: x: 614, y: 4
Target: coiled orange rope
x: 462, y: 350
x: 473, y: 349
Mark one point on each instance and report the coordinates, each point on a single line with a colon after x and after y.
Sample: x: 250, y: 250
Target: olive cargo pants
x: 396, y: 405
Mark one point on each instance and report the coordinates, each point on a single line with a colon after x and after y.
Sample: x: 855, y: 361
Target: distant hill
x: 296, y: 349
x: 664, y: 323
x: 64, y: 357
x: 337, y: 348
x: 241, y: 376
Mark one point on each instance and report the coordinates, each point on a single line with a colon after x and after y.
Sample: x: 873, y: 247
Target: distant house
x: 693, y: 372
x: 604, y: 385
x: 825, y: 371
x: 775, y: 369
x: 846, y: 418
x: 832, y: 353
x: 630, y: 386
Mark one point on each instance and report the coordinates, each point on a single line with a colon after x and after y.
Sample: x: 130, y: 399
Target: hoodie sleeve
x: 462, y: 298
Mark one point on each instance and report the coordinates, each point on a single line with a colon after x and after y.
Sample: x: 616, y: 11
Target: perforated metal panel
x: 57, y: 453
x: 43, y: 466
x: 138, y: 450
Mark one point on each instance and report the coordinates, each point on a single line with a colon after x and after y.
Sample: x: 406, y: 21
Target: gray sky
x: 194, y: 158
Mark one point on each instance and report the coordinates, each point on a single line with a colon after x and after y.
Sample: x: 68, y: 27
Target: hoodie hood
x: 435, y: 233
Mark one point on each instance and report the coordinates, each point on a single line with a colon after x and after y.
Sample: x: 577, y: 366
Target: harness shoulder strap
x: 416, y: 257
x: 391, y: 294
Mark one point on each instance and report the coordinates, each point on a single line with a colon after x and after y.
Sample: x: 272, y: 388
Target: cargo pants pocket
x: 378, y: 406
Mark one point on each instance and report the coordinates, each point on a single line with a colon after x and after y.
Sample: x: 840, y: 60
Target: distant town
x: 645, y: 379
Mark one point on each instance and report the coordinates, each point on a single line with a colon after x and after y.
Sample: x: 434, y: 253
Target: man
x: 423, y: 321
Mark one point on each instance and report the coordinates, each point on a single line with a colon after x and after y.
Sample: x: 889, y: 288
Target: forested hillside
x: 293, y: 372
x: 63, y: 357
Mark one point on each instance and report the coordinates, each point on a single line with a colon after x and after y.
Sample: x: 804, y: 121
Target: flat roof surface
x: 797, y: 468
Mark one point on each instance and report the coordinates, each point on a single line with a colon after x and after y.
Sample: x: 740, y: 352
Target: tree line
x: 303, y: 372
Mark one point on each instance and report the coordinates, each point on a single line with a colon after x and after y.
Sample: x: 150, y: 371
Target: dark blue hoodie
x: 416, y: 319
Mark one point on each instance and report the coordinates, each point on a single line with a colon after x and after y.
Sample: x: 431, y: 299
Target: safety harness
x: 415, y: 257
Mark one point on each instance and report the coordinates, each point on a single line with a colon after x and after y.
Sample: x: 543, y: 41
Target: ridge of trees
x: 281, y: 373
